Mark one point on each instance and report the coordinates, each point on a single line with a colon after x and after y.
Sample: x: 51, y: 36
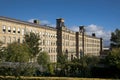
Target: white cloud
x: 44, y: 22
x: 74, y: 28
x: 98, y: 30
x: 31, y: 20
x: 52, y: 25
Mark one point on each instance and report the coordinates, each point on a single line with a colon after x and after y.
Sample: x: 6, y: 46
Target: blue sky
x: 100, y: 16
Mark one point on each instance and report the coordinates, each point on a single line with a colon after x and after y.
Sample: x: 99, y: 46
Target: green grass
x: 51, y: 78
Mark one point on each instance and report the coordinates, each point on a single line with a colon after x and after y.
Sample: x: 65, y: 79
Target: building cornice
x: 26, y: 23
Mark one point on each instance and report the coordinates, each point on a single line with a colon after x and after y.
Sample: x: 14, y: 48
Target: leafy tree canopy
x: 113, y: 58
x: 17, y: 52
x: 33, y: 41
x: 87, y: 60
x: 43, y: 59
x: 115, y: 38
x: 62, y: 59
x: 2, y: 52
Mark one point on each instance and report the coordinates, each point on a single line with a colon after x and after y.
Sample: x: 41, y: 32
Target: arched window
x: 14, y: 30
x: 9, y: 29
x: 18, y: 30
x: 4, y: 28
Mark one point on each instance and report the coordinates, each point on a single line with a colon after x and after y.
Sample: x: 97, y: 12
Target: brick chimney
x: 36, y: 21
x: 93, y: 34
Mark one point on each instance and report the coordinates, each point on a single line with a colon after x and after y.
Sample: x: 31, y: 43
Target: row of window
x: 48, y: 35
x: 92, y: 41
x: 53, y: 58
x: 50, y: 50
x: 89, y: 40
x: 67, y: 37
x: 92, y: 50
x: 92, y: 45
x: 11, y: 39
x: 49, y: 43
x: 13, y: 30
x: 72, y: 50
x: 69, y: 44
x: 43, y: 34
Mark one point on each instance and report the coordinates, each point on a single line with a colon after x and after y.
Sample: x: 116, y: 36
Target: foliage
x: 33, y: 41
x: 24, y: 69
x: 115, y: 39
x: 17, y: 52
x: 87, y: 60
x: 6, y: 71
x: 62, y: 59
x: 84, y: 65
x: 51, y: 78
x: 78, y: 67
x: 113, y: 58
x: 17, y: 71
x: 27, y: 70
x: 2, y: 52
x: 73, y: 70
x: 43, y: 59
x: 51, y: 69
x: 110, y: 66
x: 1, y: 43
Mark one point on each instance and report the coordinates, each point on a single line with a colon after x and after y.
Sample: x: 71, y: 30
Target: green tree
x: 17, y: 52
x: 2, y: 52
x: 43, y: 59
x: 33, y: 42
x: 87, y: 60
x: 62, y: 59
x: 51, y: 69
x: 113, y: 58
x: 111, y: 64
x: 1, y: 43
x: 82, y: 67
x: 115, y: 39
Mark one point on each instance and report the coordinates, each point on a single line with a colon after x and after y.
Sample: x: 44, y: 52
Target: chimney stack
x: 93, y: 34
x: 36, y: 21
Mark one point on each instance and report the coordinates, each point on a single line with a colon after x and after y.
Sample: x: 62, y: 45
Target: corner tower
x: 60, y: 23
x: 59, y: 26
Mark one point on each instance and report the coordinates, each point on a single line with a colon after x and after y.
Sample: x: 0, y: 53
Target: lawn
x: 52, y: 78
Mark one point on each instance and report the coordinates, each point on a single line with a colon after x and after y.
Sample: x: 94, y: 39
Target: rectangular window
x: 4, y: 40
x: 43, y: 42
x: 14, y: 39
x: 49, y: 50
x: 18, y: 40
x: 9, y: 40
x: 23, y: 41
x: 23, y: 32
